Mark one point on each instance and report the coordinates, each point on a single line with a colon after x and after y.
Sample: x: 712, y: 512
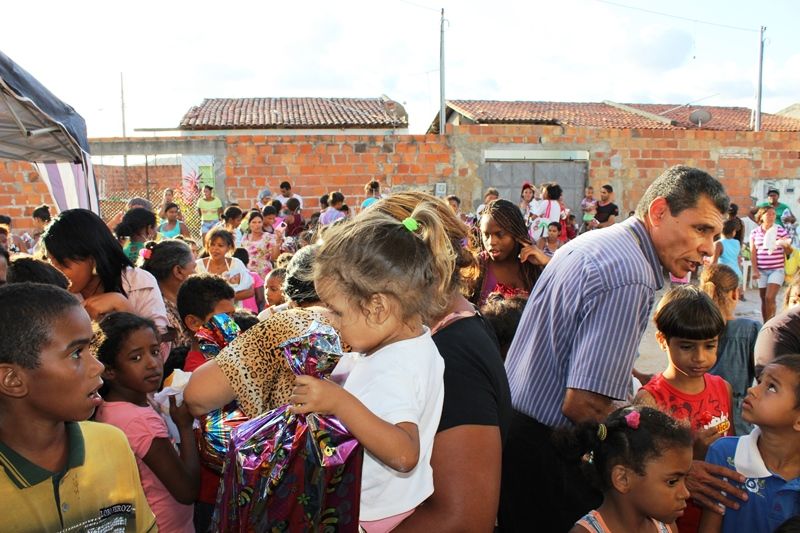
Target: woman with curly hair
x: 508, y: 260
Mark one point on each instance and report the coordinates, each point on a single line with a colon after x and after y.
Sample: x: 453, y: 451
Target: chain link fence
x: 121, y: 178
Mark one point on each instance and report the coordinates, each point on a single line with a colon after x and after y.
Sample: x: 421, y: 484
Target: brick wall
x: 316, y: 165
x: 627, y: 159
x: 630, y: 159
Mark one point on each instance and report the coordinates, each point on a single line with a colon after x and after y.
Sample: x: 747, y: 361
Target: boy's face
x: 286, y: 191
x: 691, y: 358
x: 64, y: 386
x: 223, y: 306
x: 274, y: 291
x: 772, y: 402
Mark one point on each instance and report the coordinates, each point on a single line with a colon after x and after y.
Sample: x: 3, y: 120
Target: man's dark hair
x: 27, y: 269
x: 607, y: 188
x: 28, y: 312
x: 5, y: 219
x: 285, y: 185
x: 682, y: 187
x: 200, y: 294
x: 323, y: 201
x: 454, y: 198
x: 269, y: 210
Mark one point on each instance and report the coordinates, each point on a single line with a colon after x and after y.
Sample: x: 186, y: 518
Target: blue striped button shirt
x: 584, y: 321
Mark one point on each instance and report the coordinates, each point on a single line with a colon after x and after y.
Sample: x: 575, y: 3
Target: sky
x: 172, y: 53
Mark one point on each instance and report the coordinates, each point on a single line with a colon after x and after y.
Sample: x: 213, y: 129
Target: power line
x: 652, y: 12
x: 419, y: 5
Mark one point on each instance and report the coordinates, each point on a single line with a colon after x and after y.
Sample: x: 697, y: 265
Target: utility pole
x: 124, y: 132
x: 757, y: 125
x: 441, y: 77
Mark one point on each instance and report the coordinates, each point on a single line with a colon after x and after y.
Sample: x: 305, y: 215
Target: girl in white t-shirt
x: 382, y: 280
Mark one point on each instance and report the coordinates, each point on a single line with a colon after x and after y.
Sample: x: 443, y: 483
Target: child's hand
x: 314, y: 395
x: 101, y: 305
x: 532, y: 254
x: 703, y: 439
x: 180, y: 414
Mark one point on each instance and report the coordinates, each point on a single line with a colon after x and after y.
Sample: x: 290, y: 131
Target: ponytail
x: 717, y: 281
x: 631, y: 436
x: 411, y: 260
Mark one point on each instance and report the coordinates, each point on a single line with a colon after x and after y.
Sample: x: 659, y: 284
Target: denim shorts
x: 775, y: 277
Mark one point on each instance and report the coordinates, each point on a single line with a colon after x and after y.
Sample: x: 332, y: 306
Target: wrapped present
x: 291, y: 472
x: 215, y: 427
x: 216, y: 334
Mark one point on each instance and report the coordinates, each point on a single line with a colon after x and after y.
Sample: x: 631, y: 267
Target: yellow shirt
x: 98, y: 490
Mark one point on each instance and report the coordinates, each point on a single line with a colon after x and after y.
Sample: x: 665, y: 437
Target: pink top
x: 769, y: 259
x: 250, y: 303
x: 141, y: 425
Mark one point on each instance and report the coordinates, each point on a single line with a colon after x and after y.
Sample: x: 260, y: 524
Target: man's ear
x: 621, y: 478
x: 657, y: 211
x: 13, y: 381
x: 193, y: 323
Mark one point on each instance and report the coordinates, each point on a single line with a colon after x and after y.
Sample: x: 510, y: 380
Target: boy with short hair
x: 769, y: 457
x: 59, y: 471
x: 199, y: 298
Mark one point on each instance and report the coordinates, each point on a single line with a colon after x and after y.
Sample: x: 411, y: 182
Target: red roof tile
x: 290, y: 113
x: 605, y: 115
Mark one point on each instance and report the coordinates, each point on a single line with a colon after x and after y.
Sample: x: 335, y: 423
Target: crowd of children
x: 99, y: 320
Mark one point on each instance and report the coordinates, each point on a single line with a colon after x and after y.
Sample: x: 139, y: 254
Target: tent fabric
x: 36, y: 126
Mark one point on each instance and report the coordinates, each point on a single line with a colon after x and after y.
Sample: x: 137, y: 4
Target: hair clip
x: 602, y: 432
x: 588, y: 457
x: 632, y: 419
x: 145, y: 253
x: 411, y: 224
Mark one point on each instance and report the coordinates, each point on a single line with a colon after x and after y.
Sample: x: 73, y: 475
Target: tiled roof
x: 607, y: 115
x: 279, y: 113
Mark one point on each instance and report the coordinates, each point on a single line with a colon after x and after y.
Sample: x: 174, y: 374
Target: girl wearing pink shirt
x: 128, y: 346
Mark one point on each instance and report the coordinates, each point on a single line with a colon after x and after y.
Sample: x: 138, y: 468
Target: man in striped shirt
x: 577, y: 340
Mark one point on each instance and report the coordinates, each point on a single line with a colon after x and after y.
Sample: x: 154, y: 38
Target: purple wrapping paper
x: 288, y: 472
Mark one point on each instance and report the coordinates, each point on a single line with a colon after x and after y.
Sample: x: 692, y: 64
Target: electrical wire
x: 652, y: 12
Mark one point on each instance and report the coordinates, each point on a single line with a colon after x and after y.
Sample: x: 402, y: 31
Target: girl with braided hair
x: 509, y: 262
x: 639, y: 458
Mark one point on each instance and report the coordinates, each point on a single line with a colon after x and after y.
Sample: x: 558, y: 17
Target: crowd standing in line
x: 487, y: 367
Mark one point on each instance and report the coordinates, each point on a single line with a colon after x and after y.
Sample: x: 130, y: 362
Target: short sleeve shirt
x: 209, y: 209
x: 771, y: 499
x: 604, y: 212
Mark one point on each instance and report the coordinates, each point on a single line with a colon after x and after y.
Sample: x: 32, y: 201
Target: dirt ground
x: 652, y: 359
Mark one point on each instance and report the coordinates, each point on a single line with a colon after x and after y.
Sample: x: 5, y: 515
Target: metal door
x: 508, y: 176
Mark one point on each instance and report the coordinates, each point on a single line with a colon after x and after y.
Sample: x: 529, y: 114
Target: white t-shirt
x: 283, y: 199
x: 545, y: 218
x: 237, y: 274
x: 401, y: 382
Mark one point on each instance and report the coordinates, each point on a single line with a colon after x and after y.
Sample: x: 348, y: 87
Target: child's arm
x: 644, y: 398
x: 717, y: 253
x: 179, y: 474
x: 395, y: 445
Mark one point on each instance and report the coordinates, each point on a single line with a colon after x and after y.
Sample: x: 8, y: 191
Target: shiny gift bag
x: 288, y: 472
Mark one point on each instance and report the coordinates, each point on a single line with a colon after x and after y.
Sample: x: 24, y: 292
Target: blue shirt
x: 730, y: 254
x: 584, y: 320
x: 771, y: 499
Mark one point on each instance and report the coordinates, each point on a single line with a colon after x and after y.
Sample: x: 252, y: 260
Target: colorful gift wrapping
x: 216, y: 334
x: 289, y: 472
x: 215, y: 427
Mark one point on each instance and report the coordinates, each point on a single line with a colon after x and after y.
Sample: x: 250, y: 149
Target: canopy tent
x: 36, y: 126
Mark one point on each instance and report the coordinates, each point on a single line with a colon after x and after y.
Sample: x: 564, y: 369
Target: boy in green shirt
x: 59, y: 472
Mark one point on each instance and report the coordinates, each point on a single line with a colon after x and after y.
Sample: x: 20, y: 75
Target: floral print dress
x: 260, y: 252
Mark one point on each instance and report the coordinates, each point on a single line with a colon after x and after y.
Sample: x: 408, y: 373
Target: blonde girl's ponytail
x: 443, y: 256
